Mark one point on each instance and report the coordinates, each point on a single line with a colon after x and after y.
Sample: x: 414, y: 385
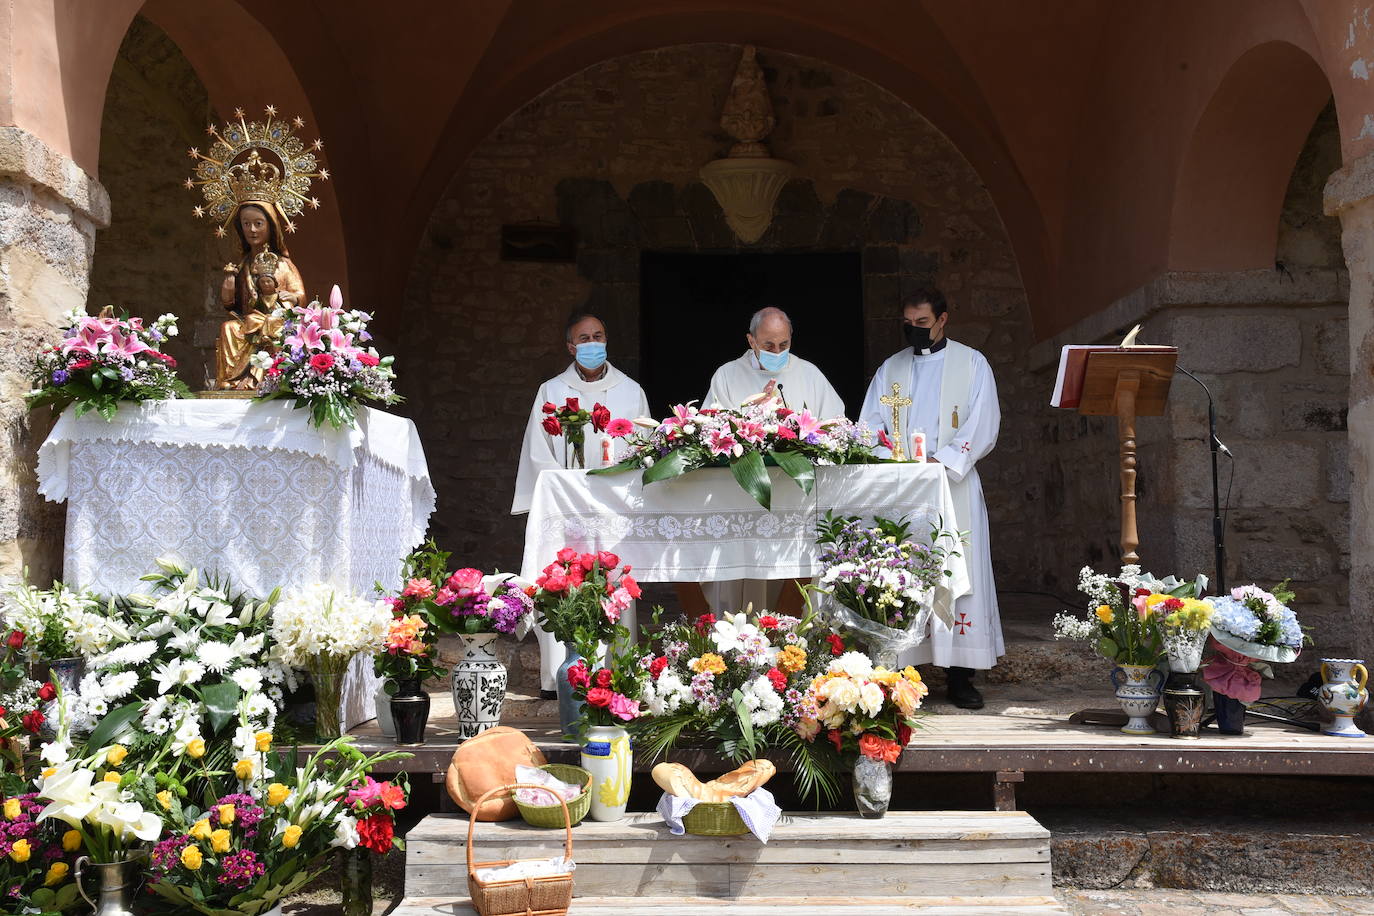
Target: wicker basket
x: 549, y: 896
x: 552, y: 815
x: 714, y: 819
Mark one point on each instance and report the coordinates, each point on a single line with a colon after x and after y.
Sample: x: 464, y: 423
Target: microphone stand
x: 1218, y: 529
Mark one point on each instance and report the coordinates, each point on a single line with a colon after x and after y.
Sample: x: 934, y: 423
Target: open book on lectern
x: 1073, y: 366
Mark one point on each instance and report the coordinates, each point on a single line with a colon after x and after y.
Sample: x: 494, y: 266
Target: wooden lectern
x: 1127, y: 383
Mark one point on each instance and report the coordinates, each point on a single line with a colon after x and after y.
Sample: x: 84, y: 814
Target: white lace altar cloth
x: 249, y: 491
x: 702, y: 527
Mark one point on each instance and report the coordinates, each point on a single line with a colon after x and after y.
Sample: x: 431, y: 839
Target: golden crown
x: 256, y: 161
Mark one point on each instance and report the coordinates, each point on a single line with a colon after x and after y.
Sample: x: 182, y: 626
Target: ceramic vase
x: 1137, y: 690
x: 1185, y: 706
x: 872, y: 786
x: 118, y: 882
x: 569, y: 706
x: 1230, y: 714
x: 384, y: 720
x: 607, y: 756
x: 479, y: 686
x: 410, y: 712
x: 1185, y: 658
x: 1343, y: 693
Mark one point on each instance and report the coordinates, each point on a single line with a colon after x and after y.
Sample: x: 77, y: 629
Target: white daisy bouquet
x: 760, y: 432
x: 189, y: 675
x: 56, y: 622
x: 736, y: 685
x: 321, y: 629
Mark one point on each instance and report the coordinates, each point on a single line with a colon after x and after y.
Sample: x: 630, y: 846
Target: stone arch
x: 613, y: 151
x: 1232, y: 181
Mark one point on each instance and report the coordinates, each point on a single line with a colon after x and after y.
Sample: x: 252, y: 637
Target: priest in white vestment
x: 954, y: 402
x: 592, y: 380
x: 768, y: 367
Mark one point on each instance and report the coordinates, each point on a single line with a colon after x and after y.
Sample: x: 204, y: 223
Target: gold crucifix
x: 896, y: 402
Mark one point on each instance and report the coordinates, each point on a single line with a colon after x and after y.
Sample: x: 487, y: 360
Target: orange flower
x: 876, y: 747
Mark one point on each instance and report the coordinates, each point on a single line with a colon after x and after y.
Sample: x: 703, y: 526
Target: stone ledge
x: 1194, y: 288
x: 26, y: 157
x: 1349, y: 185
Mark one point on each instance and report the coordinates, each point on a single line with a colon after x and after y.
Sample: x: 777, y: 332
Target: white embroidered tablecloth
x: 247, y: 490
x: 702, y: 527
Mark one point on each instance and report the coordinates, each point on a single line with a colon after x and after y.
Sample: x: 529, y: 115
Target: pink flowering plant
x: 610, y: 694
x: 104, y: 360
x: 580, y: 598
x: 746, y: 439
x: 319, y: 361
x: 465, y: 601
x: 248, y: 844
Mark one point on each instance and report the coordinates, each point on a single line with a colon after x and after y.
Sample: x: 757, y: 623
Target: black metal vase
x: 410, y: 710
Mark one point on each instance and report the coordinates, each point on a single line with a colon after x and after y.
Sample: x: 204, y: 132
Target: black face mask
x: 917, y: 337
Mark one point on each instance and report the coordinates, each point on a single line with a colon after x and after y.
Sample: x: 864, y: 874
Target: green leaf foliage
x: 752, y: 476
x: 798, y: 467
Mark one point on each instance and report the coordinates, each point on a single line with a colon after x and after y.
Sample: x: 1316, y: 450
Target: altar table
x: 246, y: 490
x: 702, y: 527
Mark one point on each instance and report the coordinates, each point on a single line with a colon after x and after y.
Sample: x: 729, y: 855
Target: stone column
x: 1349, y: 194
x: 49, y: 213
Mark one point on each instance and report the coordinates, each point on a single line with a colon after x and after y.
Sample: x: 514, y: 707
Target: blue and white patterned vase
x: 479, y: 686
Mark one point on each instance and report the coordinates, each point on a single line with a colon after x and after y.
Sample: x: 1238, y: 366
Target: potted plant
x: 49, y: 622
x: 609, y: 699
x: 579, y: 598
x: 735, y: 685
x: 880, y: 584
x: 1250, y: 629
x: 867, y: 713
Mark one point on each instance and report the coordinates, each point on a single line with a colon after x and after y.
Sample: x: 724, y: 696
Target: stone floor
x: 1158, y: 902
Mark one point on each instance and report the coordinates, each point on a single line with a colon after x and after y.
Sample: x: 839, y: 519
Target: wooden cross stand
x: 1127, y: 383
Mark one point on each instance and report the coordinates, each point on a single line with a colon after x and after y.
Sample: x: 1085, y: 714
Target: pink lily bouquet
x: 319, y: 362
x: 103, y: 360
x: 746, y: 440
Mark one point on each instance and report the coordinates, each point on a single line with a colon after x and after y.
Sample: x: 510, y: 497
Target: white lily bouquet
x: 89, y: 795
x: 321, y: 630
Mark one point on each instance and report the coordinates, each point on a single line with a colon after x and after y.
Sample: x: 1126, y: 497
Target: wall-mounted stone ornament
x: 747, y: 182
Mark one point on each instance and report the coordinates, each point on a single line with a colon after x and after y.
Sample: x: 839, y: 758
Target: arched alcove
x: 1234, y: 176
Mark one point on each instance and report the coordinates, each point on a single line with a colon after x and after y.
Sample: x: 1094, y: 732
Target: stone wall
x: 614, y: 152
x: 49, y: 212
x: 155, y: 256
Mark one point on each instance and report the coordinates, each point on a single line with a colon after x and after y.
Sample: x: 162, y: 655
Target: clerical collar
x: 936, y: 347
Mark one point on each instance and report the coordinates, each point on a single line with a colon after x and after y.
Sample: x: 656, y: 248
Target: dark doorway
x: 695, y: 311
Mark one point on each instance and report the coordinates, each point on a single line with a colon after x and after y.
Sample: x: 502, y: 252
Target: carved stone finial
x: 748, y: 113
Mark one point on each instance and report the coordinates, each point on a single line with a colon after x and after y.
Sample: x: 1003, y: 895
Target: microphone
x: 783, y: 397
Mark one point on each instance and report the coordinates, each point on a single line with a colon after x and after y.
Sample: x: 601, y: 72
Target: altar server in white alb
x: 770, y: 366
x: 954, y: 402
x: 592, y: 380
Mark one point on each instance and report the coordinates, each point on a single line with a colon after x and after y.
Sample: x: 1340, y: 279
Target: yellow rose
x: 263, y: 741
x: 56, y: 874
x: 219, y: 841
x: 291, y: 837
x: 192, y: 858
x: 226, y: 814
x: 164, y: 798
x: 71, y: 841
x: 201, y: 829
x: 885, y: 677
x: 196, y: 748
x: 792, y: 659
x: 112, y: 776
x: 911, y: 674
x: 19, y: 852
x: 907, y: 697
x: 115, y: 755
x: 12, y: 809
x: 277, y: 793
x: 1104, y: 613
x: 244, y: 769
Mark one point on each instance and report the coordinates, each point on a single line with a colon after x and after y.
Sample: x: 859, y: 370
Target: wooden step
x: 978, y: 854
x: 766, y: 906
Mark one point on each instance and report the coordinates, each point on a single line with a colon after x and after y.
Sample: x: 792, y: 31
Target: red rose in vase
x: 375, y: 832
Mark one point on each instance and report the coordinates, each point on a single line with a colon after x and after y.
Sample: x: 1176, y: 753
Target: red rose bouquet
x: 611, y: 694
x: 580, y: 597
x: 570, y: 422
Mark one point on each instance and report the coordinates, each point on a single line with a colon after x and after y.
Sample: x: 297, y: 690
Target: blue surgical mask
x: 773, y: 362
x: 591, y: 355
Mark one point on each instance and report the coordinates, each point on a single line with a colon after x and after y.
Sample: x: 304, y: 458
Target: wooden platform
x: 975, y: 862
